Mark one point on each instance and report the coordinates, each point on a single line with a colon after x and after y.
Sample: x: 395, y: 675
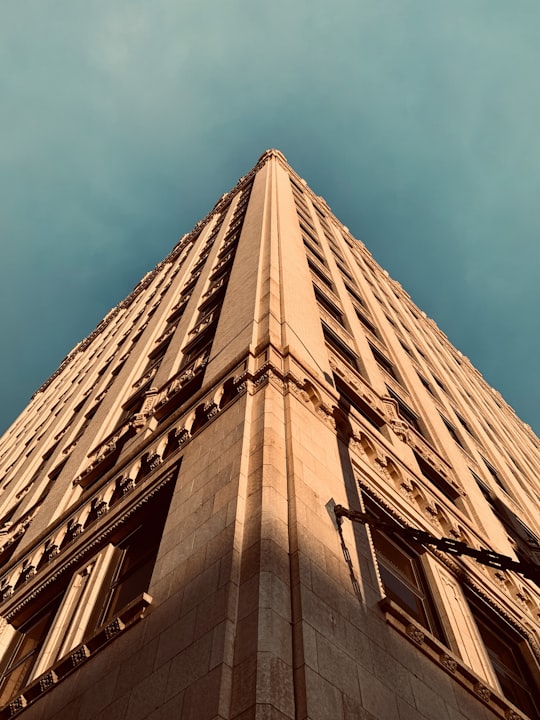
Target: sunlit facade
x: 168, y: 543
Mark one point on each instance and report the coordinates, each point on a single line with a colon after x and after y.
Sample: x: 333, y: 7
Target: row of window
x: 73, y: 609
x: 405, y: 583
x: 406, y: 412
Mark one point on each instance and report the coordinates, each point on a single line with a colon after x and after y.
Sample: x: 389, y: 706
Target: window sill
x: 129, y: 616
x: 445, y: 659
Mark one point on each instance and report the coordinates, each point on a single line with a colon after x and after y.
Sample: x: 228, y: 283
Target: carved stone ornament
x: 448, y: 662
x: 47, y: 680
x: 101, y: 508
x: 154, y: 461
x: 182, y: 435
x: 415, y: 634
x: 17, y: 705
x: 52, y: 551
x: 512, y: 715
x: 400, y: 428
x: 79, y: 655
x: 482, y: 691
x: 127, y: 484
x: 114, y: 628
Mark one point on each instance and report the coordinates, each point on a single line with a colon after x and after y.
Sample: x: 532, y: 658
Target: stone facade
x: 169, y: 544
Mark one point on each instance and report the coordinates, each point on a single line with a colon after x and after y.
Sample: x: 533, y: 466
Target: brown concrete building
x: 169, y: 547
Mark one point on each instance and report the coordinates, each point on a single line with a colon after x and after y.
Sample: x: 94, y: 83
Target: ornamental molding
x: 79, y: 548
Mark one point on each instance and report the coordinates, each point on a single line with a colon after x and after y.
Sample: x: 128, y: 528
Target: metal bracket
x: 453, y: 547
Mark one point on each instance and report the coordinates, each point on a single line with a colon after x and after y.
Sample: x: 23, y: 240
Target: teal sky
x: 121, y: 123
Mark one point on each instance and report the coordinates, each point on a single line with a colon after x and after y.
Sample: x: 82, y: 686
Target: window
x: 435, y: 479
x: 404, y: 580
x: 426, y: 384
x: 322, y: 276
x: 526, y: 543
x: 339, y: 347
x: 21, y: 657
x: 452, y: 430
x: 495, y: 475
x: 366, y: 322
x: 329, y: 306
x: 354, y: 294
x: 314, y: 251
x: 507, y: 652
x: 439, y: 383
x: 309, y: 232
x: 349, y: 399
x: 405, y: 411
x: 464, y: 423
x: 383, y: 362
x: 132, y: 563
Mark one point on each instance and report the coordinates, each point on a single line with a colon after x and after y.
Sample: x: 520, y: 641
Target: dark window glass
x: 329, y: 306
x: 404, y: 581
x: 506, y: 652
x: 21, y: 657
x: 366, y: 322
x: 339, y: 347
x: 322, y: 276
x: 136, y: 555
x: 433, y: 476
x: 349, y: 399
x: 314, y: 251
x: 384, y: 362
x: 495, y: 475
x: 464, y: 424
x: 405, y: 411
x: 452, y: 430
x: 354, y: 294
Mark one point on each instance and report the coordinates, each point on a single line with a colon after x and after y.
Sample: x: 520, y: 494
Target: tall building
x: 170, y: 543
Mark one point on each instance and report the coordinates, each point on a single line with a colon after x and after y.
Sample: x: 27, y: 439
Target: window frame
x: 525, y: 674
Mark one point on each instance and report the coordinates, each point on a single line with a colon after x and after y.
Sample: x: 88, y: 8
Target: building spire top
x: 270, y: 153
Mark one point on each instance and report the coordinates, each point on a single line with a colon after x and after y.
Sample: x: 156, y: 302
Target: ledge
x: 447, y: 661
x: 76, y: 657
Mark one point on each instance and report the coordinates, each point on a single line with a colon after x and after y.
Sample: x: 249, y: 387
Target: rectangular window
x: 405, y: 411
x: 314, y: 251
x: 26, y: 645
x: 366, y: 322
x: 134, y: 559
x: 495, y: 475
x: 329, y: 306
x: 435, y: 479
x: 384, y: 362
x: 403, y: 578
x: 354, y: 294
x: 452, y: 430
x: 310, y: 234
x: 349, y: 399
x: 322, y: 276
x: 508, y: 653
x: 339, y: 347
x: 426, y: 384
